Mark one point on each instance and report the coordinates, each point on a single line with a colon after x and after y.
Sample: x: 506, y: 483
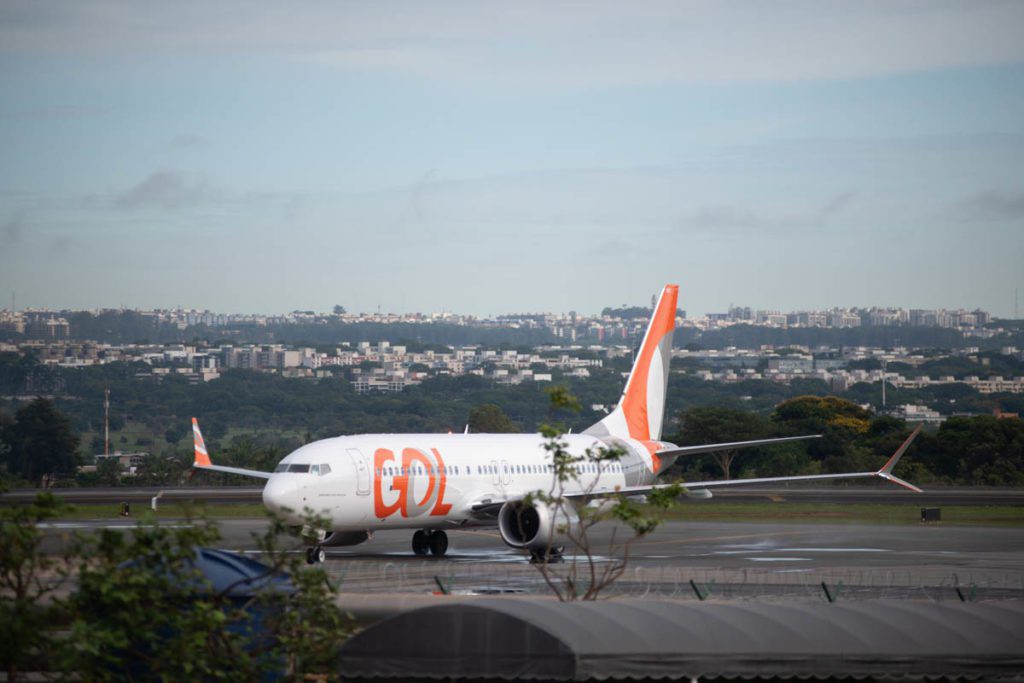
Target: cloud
x: 61, y: 245
x: 54, y: 112
x: 727, y: 218
x: 188, y: 142
x: 12, y: 231
x: 536, y: 43
x: 993, y: 205
x: 163, y: 190
x: 834, y: 206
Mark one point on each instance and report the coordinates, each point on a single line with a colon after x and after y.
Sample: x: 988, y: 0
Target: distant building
x: 129, y: 462
x: 914, y: 413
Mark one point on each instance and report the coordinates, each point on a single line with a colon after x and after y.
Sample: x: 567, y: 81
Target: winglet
x: 202, y: 458
x: 887, y: 468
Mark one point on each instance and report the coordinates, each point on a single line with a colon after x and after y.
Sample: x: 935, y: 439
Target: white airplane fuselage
x: 432, y: 482
x: 425, y: 481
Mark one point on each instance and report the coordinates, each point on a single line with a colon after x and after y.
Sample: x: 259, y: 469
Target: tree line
x: 39, y: 442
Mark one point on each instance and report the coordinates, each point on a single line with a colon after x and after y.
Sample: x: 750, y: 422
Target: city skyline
x: 490, y: 158
x: 735, y: 313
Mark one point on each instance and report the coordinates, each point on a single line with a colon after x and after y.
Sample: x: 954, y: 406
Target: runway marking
x: 728, y: 538
x: 833, y: 550
x: 92, y: 525
x: 778, y: 559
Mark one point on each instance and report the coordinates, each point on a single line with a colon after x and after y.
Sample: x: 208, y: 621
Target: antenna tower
x: 106, y: 421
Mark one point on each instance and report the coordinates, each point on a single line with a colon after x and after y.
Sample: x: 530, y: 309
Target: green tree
x: 979, y: 450
x: 490, y: 419
x: 108, y: 471
x: 143, y: 611
x: 41, y: 442
x: 712, y: 424
x: 843, y: 426
x: 29, y: 579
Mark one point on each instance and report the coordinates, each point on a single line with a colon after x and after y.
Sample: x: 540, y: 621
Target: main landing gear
x: 426, y: 542
x: 316, y: 555
x: 547, y: 556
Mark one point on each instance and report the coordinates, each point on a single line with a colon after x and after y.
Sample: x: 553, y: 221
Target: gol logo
x: 405, y: 503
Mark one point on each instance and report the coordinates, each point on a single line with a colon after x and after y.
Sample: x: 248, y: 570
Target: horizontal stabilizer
x: 712, y: 447
x: 201, y: 461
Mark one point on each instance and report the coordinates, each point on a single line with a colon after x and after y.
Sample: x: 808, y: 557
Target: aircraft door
x: 362, y: 471
x: 496, y: 478
x: 506, y: 473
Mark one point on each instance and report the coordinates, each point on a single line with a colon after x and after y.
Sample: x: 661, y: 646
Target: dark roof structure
x: 506, y: 638
x: 232, y: 574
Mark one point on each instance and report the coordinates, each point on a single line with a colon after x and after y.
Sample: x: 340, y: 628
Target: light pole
x: 883, y: 384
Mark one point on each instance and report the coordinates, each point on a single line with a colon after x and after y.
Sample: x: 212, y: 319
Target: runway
x: 880, y: 494
x: 722, y: 559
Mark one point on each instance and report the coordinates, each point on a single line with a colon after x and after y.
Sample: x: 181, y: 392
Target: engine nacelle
x: 337, y: 538
x: 698, y: 494
x: 535, y: 526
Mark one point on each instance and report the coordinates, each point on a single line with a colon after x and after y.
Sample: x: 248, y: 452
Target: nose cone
x: 281, y: 495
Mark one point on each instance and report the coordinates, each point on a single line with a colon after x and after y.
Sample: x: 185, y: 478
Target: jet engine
x: 535, y: 526
x: 336, y: 538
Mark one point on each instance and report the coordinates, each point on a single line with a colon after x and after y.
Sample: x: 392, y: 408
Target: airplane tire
x: 320, y: 555
x: 421, y: 542
x: 309, y: 556
x: 438, y: 543
x: 551, y: 556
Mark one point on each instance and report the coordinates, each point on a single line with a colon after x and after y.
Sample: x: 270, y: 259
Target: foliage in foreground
x: 142, y: 611
x: 585, y: 569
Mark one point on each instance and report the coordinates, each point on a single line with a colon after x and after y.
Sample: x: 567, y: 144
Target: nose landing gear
x: 425, y: 542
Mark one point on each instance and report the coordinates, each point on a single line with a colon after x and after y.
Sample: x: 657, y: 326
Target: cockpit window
x: 298, y: 468
x: 281, y: 468
x: 314, y: 469
x: 324, y: 469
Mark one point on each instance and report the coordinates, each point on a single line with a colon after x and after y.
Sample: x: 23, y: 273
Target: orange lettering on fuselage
x: 440, y: 507
x: 380, y: 508
x: 414, y: 463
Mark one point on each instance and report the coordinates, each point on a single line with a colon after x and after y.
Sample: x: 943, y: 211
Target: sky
x: 490, y: 158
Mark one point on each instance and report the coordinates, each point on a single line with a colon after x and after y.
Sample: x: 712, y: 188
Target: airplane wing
x: 884, y: 473
x: 489, y: 506
x: 202, y: 458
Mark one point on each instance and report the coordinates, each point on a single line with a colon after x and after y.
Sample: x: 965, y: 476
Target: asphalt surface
x: 723, y: 559
x: 851, y: 494
x: 209, y: 494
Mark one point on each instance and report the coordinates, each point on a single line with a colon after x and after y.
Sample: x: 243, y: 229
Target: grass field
x: 168, y: 511
x: 960, y: 515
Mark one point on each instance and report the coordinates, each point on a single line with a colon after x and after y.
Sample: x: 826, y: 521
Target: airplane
x: 431, y: 483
